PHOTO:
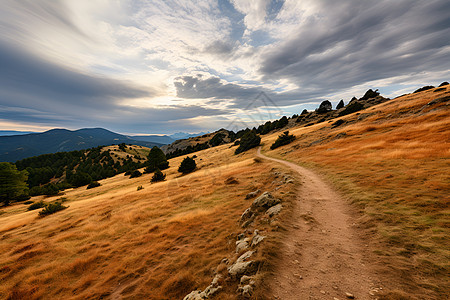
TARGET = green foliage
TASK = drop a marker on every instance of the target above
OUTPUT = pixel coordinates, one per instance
(248, 141)
(187, 165)
(140, 188)
(122, 147)
(188, 150)
(12, 182)
(135, 174)
(93, 184)
(217, 139)
(425, 88)
(158, 176)
(51, 209)
(80, 179)
(156, 160)
(36, 205)
(282, 140)
(77, 165)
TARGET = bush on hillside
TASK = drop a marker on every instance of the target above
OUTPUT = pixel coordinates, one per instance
(425, 88)
(135, 174)
(187, 165)
(156, 160)
(282, 140)
(93, 184)
(443, 84)
(36, 205)
(51, 209)
(158, 176)
(248, 140)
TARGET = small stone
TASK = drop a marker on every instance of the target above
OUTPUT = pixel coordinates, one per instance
(334, 298)
(296, 261)
(349, 295)
(298, 275)
(322, 292)
(245, 279)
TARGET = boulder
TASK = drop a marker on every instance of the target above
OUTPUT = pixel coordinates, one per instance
(274, 210)
(246, 279)
(265, 201)
(252, 194)
(247, 291)
(257, 238)
(247, 214)
(324, 107)
(195, 295)
(243, 266)
(370, 94)
(340, 104)
(241, 245)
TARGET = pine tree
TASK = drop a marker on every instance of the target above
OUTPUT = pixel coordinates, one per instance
(12, 182)
(187, 165)
(156, 160)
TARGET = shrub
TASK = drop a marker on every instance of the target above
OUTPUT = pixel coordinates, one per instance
(135, 174)
(187, 165)
(36, 205)
(156, 160)
(140, 188)
(282, 140)
(443, 84)
(158, 176)
(93, 184)
(51, 209)
(425, 88)
(249, 140)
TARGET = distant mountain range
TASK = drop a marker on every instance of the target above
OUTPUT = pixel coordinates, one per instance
(16, 147)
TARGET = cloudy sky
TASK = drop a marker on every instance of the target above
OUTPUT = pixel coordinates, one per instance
(162, 66)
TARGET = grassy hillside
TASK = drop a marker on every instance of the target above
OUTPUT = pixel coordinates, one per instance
(160, 242)
(393, 161)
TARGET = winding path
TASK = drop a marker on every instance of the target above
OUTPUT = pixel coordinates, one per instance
(323, 257)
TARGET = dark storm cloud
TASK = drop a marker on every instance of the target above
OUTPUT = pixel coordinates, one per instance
(24, 76)
(361, 41)
(33, 90)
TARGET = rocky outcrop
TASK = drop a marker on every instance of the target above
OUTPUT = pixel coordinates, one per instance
(243, 266)
(210, 291)
(252, 194)
(324, 107)
(264, 202)
(274, 210)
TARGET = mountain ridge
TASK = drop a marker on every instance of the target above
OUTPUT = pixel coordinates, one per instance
(16, 147)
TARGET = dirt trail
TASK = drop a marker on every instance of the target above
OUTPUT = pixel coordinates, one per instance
(322, 258)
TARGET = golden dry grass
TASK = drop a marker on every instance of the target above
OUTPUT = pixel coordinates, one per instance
(395, 165)
(114, 241)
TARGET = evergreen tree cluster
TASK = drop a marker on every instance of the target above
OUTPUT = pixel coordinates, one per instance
(249, 140)
(282, 140)
(49, 174)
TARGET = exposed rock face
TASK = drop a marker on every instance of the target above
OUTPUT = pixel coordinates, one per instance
(210, 291)
(340, 104)
(243, 266)
(257, 238)
(241, 245)
(370, 94)
(324, 107)
(252, 194)
(265, 201)
(274, 210)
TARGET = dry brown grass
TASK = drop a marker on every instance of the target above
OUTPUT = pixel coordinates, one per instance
(114, 241)
(395, 166)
